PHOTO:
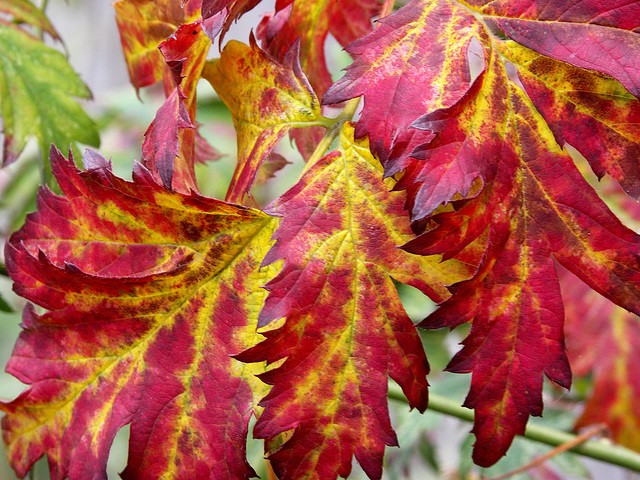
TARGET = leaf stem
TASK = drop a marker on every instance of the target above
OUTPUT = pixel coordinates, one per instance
(43, 9)
(324, 144)
(271, 475)
(598, 449)
(583, 437)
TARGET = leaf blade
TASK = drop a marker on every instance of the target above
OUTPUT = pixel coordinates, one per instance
(146, 320)
(281, 99)
(143, 26)
(37, 86)
(345, 328)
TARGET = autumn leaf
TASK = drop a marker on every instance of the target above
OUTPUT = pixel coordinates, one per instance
(600, 36)
(536, 207)
(414, 62)
(271, 165)
(311, 21)
(233, 10)
(37, 86)
(483, 145)
(170, 140)
(162, 142)
(149, 293)
(590, 111)
(603, 341)
(177, 314)
(280, 98)
(345, 327)
(170, 41)
(143, 26)
(185, 52)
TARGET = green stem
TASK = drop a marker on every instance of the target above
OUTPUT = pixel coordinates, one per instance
(598, 449)
(336, 126)
(43, 9)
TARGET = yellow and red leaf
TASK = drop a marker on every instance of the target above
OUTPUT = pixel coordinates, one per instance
(311, 21)
(164, 141)
(484, 144)
(266, 99)
(537, 206)
(169, 150)
(414, 62)
(600, 36)
(153, 291)
(345, 328)
(149, 293)
(588, 110)
(603, 341)
(143, 26)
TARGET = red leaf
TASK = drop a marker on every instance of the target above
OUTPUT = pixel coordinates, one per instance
(534, 205)
(185, 52)
(603, 341)
(395, 71)
(143, 25)
(311, 21)
(233, 10)
(170, 141)
(266, 99)
(596, 35)
(345, 329)
(162, 139)
(593, 113)
(150, 294)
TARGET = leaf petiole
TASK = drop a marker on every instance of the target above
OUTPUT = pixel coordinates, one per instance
(591, 432)
(333, 131)
(600, 449)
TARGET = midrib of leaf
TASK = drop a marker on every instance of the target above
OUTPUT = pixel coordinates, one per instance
(128, 219)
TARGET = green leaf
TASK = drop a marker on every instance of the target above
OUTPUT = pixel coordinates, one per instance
(36, 89)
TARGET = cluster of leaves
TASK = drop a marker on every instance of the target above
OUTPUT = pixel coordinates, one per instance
(184, 315)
